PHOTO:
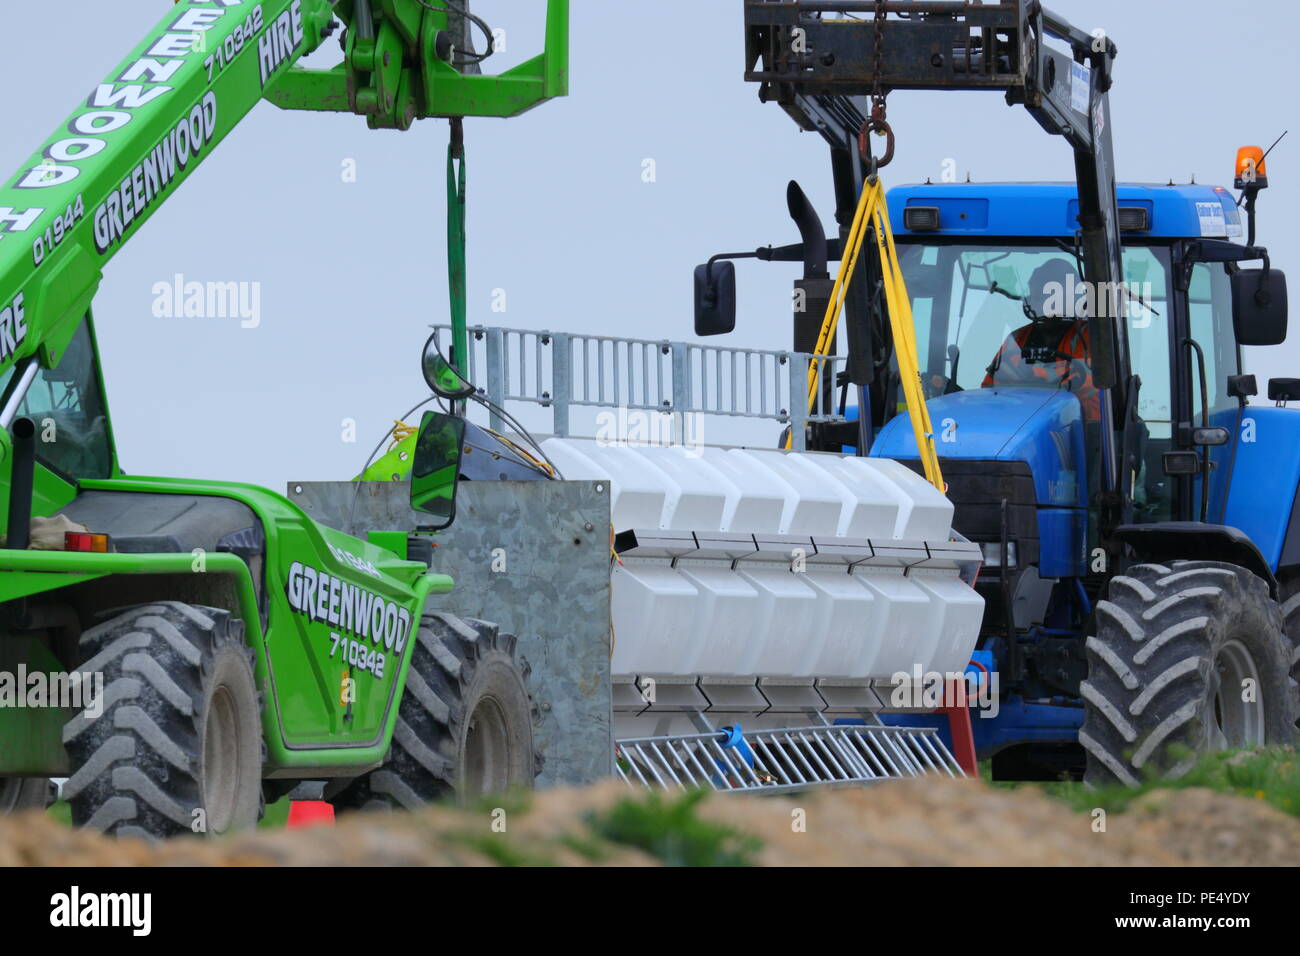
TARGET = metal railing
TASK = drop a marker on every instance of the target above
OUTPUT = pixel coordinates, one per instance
(563, 370)
(778, 761)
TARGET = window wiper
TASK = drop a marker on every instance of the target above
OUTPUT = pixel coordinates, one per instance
(1005, 292)
(1142, 302)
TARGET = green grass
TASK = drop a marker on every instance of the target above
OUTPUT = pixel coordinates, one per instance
(670, 831)
(276, 815)
(588, 847)
(514, 802)
(500, 850)
(667, 829)
(1270, 774)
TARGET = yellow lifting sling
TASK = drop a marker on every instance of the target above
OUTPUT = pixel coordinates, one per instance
(873, 208)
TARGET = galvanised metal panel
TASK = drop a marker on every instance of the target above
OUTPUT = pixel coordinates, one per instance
(532, 557)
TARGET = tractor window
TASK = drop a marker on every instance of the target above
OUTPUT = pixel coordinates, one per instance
(1009, 315)
(1209, 306)
(971, 304)
(67, 407)
(1146, 272)
(1146, 269)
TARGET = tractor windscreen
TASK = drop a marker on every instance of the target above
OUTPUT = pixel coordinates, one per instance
(990, 315)
(993, 315)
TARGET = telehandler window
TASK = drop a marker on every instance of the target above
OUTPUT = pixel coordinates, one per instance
(67, 407)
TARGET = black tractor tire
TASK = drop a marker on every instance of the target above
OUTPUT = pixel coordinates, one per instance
(178, 746)
(1173, 645)
(1290, 597)
(464, 726)
(24, 793)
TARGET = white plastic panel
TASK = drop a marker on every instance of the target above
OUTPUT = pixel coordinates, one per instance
(850, 619)
(755, 498)
(638, 490)
(926, 514)
(741, 489)
(811, 507)
(726, 620)
(868, 509)
(695, 496)
(904, 624)
(704, 618)
(785, 644)
(955, 622)
(762, 620)
(655, 612)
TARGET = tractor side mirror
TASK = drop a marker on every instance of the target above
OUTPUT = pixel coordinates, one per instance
(435, 471)
(439, 374)
(715, 298)
(1259, 306)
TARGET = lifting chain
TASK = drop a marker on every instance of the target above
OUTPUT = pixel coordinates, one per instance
(877, 124)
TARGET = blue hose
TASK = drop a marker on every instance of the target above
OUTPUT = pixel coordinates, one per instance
(732, 738)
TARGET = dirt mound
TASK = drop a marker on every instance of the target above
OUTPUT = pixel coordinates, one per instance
(965, 823)
(947, 822)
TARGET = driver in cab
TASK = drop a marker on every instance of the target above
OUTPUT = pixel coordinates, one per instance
(1053, 349)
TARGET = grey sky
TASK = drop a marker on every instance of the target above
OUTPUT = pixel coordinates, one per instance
(352, 273)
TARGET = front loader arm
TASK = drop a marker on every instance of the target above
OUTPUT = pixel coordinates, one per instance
(806, 52)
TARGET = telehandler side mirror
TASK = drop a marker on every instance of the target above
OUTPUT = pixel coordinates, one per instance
(1259, 314)
(439, 374)
(435, 471)
(715, 298)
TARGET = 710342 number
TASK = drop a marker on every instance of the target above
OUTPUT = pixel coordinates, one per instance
(357, 654)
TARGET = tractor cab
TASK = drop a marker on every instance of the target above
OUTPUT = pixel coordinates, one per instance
(1001, 322)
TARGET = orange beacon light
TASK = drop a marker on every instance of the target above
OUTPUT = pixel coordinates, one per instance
(1252, 171)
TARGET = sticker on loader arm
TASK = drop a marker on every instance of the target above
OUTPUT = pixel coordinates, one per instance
(1080, 87)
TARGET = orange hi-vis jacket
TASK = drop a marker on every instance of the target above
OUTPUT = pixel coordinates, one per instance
(1017, 364)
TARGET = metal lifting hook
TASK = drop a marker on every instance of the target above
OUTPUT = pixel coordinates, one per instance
(880, 126)
(877, 123)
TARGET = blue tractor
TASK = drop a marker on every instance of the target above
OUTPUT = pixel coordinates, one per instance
(1080, 347)
(1181, 637)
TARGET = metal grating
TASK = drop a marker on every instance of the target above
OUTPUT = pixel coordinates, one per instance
(562, 371)
(784, 760)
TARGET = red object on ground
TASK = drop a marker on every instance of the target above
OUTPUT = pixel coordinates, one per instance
(307, 813)
(959, 728)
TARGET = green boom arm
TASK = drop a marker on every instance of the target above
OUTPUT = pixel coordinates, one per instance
(398, 66)
(144, 130)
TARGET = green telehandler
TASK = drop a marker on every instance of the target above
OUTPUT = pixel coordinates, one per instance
(182, 651)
